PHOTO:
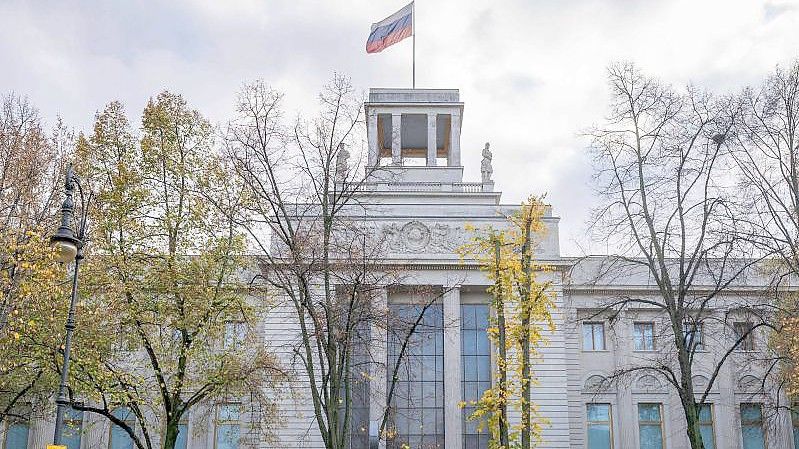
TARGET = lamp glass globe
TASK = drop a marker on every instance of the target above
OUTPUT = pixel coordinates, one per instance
(65, 250)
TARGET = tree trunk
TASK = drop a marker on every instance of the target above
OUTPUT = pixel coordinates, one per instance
(502, 366)
(170, 435)
(526, 307)
(692, 420)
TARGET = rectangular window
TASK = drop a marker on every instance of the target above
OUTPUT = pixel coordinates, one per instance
(182, 441)
(795, 420)
(360, 359)
(119, 438)
(227, 426)
(593, 336)
(234, 334)
(599, 426)
(417, 406)
(73, 425)
(650, 426)
(694, 337)
(644, 336)
(752, 426)
(476, 365)
(706, 426)
(744, 328)
(17, 435)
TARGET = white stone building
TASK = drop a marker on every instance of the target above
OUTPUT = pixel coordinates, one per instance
(421, 205)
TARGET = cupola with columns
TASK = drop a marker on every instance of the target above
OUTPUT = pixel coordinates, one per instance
(414, 136)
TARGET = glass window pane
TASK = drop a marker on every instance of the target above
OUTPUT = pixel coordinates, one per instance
(182, 441)
(17, 436)
(469, 342)
(120, 438)
(750, 413)
(228, 412)
(73, 424)
(598, 412)
(476, 371)
(651, 436)
(599, 436)
(467, 317)
(752, 426)
(588, 337)
(227, 436)
(649, 412)
(599, 336)
(598, 426)
(705, 414)
(650, 427)
(753, 437)
(416, 419)
(708, 440)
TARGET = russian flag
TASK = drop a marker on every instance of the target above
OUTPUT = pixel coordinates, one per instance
(391, 30)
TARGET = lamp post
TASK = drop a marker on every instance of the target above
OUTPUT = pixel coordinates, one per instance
(69, 247)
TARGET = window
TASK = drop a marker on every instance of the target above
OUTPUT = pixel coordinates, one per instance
(227, 428)
(752, 426)
(593, 336)
(694, 337)
(360, 359)
(476, 364)
(644, 336)
(795, 420)
(182, 441)
(234, 334)
(744, 328)
(599, 427)
(17, 435)
(120, 439)
(73, 425)
(706, 426)
(650, 426)
(417, 407)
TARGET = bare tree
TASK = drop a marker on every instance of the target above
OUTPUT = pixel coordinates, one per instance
(320, 260)
(766, 148)
(662, 173)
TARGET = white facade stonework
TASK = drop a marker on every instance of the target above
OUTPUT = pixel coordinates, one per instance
(421, 212)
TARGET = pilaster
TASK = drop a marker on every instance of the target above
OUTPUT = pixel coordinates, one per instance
(377, 372)
(431, 139)
(396, 138)
(452, 368)
(374, 150)
(454, 157)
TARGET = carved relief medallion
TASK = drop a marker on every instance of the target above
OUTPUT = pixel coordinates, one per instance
(415, 235)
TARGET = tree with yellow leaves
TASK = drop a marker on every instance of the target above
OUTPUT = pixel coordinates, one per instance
(31, 163)
(522, 305)
(164, 278)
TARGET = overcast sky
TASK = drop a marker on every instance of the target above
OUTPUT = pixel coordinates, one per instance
(531, 72)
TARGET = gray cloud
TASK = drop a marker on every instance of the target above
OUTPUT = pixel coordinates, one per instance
(532, 74)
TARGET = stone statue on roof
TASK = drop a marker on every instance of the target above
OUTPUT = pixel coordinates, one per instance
(342, 159)
(485, 166)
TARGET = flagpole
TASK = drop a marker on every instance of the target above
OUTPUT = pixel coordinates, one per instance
(413, 24)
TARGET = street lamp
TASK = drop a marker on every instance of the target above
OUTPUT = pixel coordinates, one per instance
(69, 247)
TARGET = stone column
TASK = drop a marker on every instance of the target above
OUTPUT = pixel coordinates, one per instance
(396, 139)
(374, 146)
(454, 156)
(431, 139)
(378, 372)
(452, 369)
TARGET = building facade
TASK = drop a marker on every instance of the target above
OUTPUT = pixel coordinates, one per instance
(420, 206)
